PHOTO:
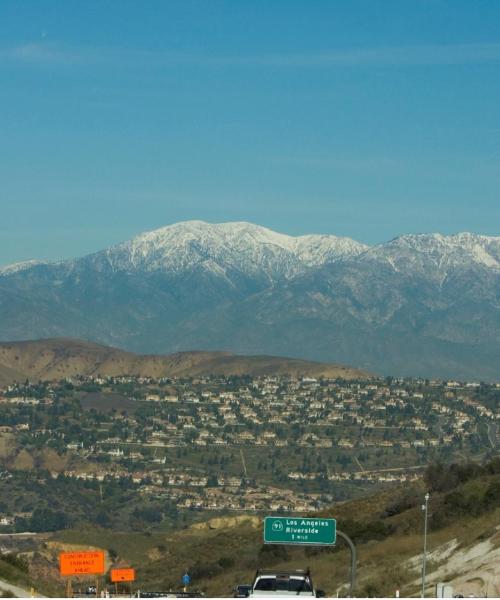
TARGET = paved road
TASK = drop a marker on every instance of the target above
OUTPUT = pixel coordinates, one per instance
(21, 534)
(492, 435)
(413, 467)
(16, 591)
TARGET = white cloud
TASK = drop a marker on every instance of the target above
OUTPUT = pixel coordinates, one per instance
(43, 53)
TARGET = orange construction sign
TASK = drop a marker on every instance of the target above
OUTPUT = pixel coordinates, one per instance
(118, 575)
(82, 563)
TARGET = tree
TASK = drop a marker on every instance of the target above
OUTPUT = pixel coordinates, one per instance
(212, 480)
(45, 519)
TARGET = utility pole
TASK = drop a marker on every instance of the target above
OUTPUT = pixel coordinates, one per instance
(353, 561)
(424, 556)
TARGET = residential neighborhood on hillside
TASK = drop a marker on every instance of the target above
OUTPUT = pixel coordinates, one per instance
(241, 443)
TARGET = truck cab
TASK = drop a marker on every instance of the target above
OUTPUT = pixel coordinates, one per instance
(275, 584)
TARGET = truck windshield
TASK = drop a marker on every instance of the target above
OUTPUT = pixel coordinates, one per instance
(299, 585)
(266, 584)
(282, 584)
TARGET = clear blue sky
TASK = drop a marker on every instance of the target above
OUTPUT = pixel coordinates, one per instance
(361, 118)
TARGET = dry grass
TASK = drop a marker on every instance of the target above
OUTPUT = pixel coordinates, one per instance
(7, 445)
(59, 358)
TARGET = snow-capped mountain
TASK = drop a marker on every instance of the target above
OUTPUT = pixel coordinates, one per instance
(20, 266)
(424, 304)
(436, 254)
(226, 247)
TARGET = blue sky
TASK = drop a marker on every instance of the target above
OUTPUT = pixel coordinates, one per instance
(361, 118)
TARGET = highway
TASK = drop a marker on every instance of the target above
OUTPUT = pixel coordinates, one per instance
(16, 591)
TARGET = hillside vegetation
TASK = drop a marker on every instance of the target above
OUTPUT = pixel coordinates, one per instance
(464, 542)
(55, 359)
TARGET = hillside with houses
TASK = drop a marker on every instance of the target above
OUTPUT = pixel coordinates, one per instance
(230, 444)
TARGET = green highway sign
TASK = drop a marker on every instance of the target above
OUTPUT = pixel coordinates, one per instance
(299, 530)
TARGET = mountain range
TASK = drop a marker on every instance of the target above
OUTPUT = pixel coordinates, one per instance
(424, 304)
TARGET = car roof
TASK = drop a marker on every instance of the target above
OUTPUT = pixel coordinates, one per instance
(274, 572)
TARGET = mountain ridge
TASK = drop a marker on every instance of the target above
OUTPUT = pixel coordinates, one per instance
(191, 230)
(420, 304)
(59, 358)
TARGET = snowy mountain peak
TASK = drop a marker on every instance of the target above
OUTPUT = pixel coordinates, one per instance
(20, 266)
(435, 252)
(237, 250)
(229, 247)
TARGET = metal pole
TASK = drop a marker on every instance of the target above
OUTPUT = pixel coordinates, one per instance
(424, 556)
(353, 561)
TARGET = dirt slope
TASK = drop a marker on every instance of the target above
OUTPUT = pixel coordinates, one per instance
(58, 358)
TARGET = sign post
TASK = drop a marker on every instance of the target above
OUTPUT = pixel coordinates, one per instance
(352, 547)
(186, 580)
(308, 531)
(119, 575)
(81, 563)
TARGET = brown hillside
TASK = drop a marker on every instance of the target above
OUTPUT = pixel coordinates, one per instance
(53, 359)
(7, 374)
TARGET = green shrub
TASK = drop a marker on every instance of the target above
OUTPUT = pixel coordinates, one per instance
(408, 499)
(492, 495)
(226, 562)
(45, 519)
(270, 554)
(363, 531)
(16, 561)
(205, 570)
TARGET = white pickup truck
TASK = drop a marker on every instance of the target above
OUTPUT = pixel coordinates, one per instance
(276, 584)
